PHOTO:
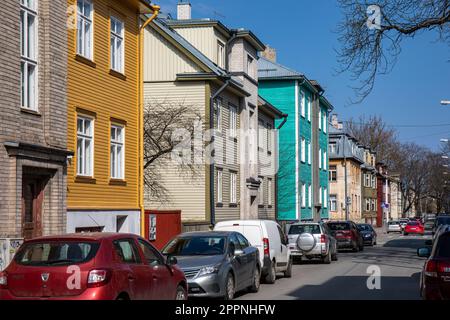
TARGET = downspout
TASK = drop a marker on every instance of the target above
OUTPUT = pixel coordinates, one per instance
(155, 9)
(284, 116)
(227, 50)
(212, 202)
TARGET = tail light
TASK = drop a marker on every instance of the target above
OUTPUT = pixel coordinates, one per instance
(3, 280)
(323, 239)
(443, 267)
(266, 247)
(347, 234)
(431, 269)
(98, 278)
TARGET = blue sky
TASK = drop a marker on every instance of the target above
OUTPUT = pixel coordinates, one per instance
(303, 32)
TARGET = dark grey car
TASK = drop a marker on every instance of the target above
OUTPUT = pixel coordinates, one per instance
(216, 263)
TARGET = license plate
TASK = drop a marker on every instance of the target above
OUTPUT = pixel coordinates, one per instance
(338, 234)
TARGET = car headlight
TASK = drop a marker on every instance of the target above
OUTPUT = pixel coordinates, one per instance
(208, 270)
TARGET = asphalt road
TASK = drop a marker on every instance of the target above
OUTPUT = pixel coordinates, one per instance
(346, 279)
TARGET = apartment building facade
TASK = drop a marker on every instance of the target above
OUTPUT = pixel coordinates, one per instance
(369, 187)
(33, 117)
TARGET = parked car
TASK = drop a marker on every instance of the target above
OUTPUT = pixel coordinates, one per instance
(435, 278)
(368, 233)
(394, 226)
(347, 235)
(414, 228)
(440, 220)
(216, 263)
(109, 266)
(271, 241)
(312, 240)
(403, 222)
(428, 226)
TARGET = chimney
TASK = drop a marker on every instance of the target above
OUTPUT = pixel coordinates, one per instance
(270, 53)
(334, 121)
(184, 10)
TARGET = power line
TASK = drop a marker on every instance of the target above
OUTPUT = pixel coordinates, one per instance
(403, 125)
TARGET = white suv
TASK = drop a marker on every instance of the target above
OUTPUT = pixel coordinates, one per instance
(271, 241)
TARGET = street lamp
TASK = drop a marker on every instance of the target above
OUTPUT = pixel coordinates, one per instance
(445, 102)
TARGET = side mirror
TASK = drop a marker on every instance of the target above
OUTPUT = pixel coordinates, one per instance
(238, 253)
(429, 242)
(171, 261)
(424, 252)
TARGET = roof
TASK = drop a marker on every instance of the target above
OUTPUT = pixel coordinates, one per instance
(267, 107)
(199, 22)
(250, 37)
(268, 70)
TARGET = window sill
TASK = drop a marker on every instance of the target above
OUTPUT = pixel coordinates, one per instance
(30, 111)
(84, 179)
(269, 153)
(117, 182)
(270, 206)
(233, 205)
(261, 206)
(85, 60)
(117, 74)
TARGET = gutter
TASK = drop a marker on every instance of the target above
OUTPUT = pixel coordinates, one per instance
(211, 166)
(284, 116)
(156, 10)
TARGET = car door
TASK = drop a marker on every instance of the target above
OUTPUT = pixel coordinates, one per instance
(327, 232)
(283, 257)
(163, 286)
(139, 274)
(250, 257)
(238, 262)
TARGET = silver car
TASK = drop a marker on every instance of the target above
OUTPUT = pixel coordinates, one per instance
(394, 226)
(312, 240)
(216, 263)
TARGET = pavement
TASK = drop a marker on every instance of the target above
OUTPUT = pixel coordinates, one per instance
(394, 257)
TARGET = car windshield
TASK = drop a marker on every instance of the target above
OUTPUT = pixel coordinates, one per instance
(364, 227)
(193, 246)
(442, 220)
(339, 226)
(56, 253)
(304, 228)
(443, 249)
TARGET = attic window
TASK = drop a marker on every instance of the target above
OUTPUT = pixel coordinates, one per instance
(220, 54)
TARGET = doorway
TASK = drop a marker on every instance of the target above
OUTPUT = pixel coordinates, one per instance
(32, 199)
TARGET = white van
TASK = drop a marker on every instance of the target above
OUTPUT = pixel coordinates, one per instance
(271, 241)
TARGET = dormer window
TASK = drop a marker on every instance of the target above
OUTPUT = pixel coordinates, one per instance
(221, 54)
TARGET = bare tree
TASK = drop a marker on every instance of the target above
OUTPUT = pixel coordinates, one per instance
(371, 50)
(168, 125)
(436, 184)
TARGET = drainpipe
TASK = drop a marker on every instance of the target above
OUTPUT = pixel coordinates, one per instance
(284, 116)
(211, 166)
(155, 9)
(227, 50)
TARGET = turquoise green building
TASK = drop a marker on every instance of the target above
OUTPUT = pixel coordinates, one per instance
(303, 141)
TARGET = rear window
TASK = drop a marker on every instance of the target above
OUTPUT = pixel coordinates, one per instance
(392, 223)
(413, 224)
(339, 226)
(443, 249)
(56, 253)
(442, 220)
(309, 228)
(364, 227)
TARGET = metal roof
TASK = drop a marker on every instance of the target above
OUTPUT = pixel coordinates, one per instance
(271, 70)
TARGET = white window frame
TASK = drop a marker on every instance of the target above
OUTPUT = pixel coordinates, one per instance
(219, 185)
(29, 55)
(331, 173)
(233, 120)
(269, 191)
(325, 158)
(269, 137)
(233, 187)
(85, 137)
(325, 197)
(117, 172)
(302, 103)
(333, 203)
(261, 191)
(320, 158)
(83, 21)
(320, 119)
(303, 195)
(220, 54)
(332, 147)
(117, 60)
(321, 195)
(309, 152)
(303, 150)
(325, 122)
(309, 196)
(309, 108)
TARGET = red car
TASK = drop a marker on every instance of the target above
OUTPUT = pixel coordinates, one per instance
(92, 266)
(414, 227)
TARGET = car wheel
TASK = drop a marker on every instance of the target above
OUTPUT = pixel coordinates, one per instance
(272, 275)
(405, 234)
(334, 256)
(355, 247)
(181, 294)
(256, 281)
(288, 272)
(327, 258)
(229, 287)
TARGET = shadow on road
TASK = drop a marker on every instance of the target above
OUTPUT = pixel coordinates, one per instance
(402, 243)
(355, 288)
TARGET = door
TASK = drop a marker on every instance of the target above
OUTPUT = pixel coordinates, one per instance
(163, 285)
(283, 258)
(32, 197)
(250, 257)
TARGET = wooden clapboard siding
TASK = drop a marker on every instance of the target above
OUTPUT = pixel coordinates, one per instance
(92, 88)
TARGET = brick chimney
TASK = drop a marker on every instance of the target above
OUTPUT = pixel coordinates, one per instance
(270, 53)
(184, 10)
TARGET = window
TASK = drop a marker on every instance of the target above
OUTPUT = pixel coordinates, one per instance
(243, 242)
(220, 54)
(127, 251)
(332, 147)
(367, 204)
(261, 191)
(325, 122)
(261, 133)
(233, 187)
(321, 195)
(117, 45)
(303, 195)
(269, 192)
(218, 114)
(333, 173)
(251, 66)
(151, 257)
(302, 103)
(85, 146)
(85, 28)
(303, 155)
(309, 152)
(117, 152)
(366, 180)
(374, 182)
(325, 157)
(374, 205)
(320, 119)
(320, 158)
(269, 137)
(28, 53)
(309, 196)
(333, 202)
(233, 120)
(325, 197)
(309, 108)
(219, 185)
